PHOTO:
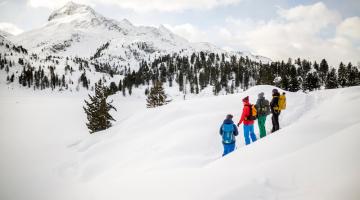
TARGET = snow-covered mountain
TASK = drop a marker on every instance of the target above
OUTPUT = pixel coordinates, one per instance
(4, 34)
(10, 50)
(77, 30)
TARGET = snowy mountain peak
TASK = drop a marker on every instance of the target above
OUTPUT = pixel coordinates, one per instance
(164, 29)
(71, 9)
(78, 30)
(126, 22)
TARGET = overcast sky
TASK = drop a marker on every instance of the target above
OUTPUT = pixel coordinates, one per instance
(278, 29)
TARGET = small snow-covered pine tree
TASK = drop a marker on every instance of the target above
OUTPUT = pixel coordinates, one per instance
(342, 75)
(97, 109)
(331, 80)
(157, 96)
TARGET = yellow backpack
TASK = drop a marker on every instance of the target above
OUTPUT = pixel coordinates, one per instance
(282, 102)
(253, 113)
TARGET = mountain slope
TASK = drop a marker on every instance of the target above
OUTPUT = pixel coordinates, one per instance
(78, 47)
(174, 152)
(77, 30)
(4, 34)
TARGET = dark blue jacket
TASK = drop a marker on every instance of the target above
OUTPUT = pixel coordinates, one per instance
(229, 121)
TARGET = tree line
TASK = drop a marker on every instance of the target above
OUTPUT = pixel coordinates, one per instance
(192, 74)
(195, 73)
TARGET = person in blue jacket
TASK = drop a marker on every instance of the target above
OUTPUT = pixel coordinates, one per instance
(228, 131)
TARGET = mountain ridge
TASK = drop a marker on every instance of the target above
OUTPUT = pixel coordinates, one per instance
(5, 34)
(78, 30)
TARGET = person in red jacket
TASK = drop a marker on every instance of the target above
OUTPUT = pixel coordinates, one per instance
(248, 123)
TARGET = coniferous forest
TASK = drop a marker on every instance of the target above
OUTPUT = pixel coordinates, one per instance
(192, 74)
(228, 75)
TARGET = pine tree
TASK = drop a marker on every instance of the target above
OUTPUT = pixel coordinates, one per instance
(324, 69)
(84, 80)
(12, 78)
(284, 83)
(331, 80)
(113, 88)
(352, 75)
(147, 91)
(181, 81)
(294, 84)
(316, 66)
(307, 83)
(120, 86)
(342, 77)
(157, 96)
(97, 110)
(316, 81)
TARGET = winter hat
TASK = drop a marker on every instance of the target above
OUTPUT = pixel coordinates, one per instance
(275, 91)
(261, 95)
(229, 116)
(246, 99)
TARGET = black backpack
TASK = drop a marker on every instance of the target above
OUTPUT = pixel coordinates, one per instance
(263, 107)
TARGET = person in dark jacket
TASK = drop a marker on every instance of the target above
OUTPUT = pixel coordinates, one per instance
(228, 131)
(263, 109)
(275, 111)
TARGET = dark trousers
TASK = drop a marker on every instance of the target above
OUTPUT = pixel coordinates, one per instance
(275, 121)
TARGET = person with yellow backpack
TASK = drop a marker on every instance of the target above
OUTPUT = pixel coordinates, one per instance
(277, 104)
(248, 116)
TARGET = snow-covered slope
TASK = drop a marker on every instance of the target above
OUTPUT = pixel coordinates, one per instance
(77, 30)
(4, 34)
(174, 152)
(77, 47)
(12, 52)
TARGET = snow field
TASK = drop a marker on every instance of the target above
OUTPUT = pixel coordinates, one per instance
(174, 151)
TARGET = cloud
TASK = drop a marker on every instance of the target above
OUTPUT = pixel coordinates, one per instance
(350, 28)
(3, 3)
(189, 31)
(143, 5)
(310, 32)
(56, 4)
(10, 28)
(317, 14)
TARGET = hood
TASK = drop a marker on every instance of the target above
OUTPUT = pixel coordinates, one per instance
(228, 121)
(261, 95)
(246, 103)
(276, 94)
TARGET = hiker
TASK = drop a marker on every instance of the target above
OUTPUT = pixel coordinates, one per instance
(228, 131)
(263, 109)
(275, 111)
(248, 118)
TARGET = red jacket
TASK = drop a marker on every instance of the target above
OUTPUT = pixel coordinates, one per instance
(246, 113)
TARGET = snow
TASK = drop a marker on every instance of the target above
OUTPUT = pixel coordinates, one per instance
(174, 151)
(4, 34)
(77, 30)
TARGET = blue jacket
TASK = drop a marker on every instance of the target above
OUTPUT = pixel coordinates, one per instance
(229, 121)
